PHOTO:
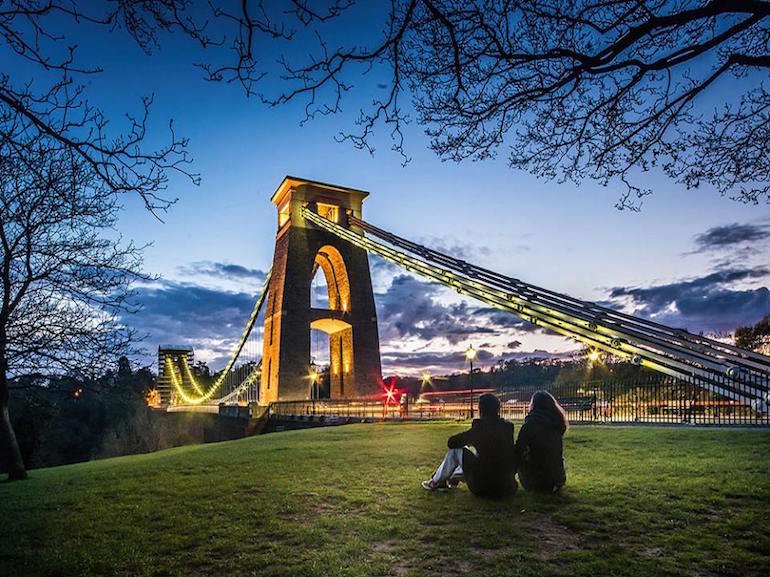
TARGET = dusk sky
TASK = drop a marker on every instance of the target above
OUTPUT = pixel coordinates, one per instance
(690, 258)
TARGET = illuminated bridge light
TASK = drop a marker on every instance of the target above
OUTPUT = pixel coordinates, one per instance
(670, 351)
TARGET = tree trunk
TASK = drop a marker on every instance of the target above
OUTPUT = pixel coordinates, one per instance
(16, 469)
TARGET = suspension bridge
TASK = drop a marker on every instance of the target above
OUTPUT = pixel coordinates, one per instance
(321, 226)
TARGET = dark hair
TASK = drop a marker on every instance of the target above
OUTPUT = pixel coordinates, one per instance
(543, 403)
(489, 405)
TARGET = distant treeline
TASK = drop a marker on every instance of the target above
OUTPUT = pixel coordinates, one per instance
(528, 373)
(67, 420)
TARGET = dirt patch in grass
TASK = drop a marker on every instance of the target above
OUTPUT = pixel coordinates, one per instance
(551, 539)
(400, 566)
(456, 567)
(320, 510)
(396, 563)
(651, 552)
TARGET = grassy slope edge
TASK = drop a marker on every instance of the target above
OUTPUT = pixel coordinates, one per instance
(347, 501)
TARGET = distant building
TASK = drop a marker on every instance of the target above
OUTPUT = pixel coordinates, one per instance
(178, 354)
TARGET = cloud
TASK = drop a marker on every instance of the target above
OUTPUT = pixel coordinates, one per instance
(448, 362)
(719, 237)
(211, 320)
(210, 314)
(507, 320)
(224, 270)
(708, 304)
(182, 313)
(452, 360)
(382, 272)
(410, 307)
(457, 249)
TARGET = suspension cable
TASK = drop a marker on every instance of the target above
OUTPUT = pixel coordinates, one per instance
(687, 342)
(214, 387)
(649, 331)
(641, 349)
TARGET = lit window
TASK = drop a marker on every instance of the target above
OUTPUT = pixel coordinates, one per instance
(283, 214)
(328, 211)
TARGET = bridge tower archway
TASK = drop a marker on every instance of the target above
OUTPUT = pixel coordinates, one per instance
(335, 320)
(350, 319)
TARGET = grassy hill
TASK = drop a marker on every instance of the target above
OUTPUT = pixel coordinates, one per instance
(347, 501)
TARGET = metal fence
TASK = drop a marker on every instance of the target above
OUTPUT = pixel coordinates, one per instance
(654, 399)
(363, 408)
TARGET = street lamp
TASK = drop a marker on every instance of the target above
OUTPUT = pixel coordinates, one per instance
(426, 380)
(470, 354)
(313, 376)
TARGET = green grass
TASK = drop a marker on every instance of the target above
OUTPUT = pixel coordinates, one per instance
(347, 501)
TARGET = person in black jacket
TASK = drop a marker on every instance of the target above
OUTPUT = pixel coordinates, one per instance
(490, 470)
(539, 451)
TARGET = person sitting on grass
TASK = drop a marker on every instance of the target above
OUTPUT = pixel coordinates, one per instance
(490, 470)
(539, 451)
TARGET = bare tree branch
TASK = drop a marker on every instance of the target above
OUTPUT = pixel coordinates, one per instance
(577, 90)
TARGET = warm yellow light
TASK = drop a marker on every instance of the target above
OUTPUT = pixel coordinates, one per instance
(470, 353)
(153, 398)
(283, 214)
(213, 388)
(425, 378)
(313, 376)
(593, 356)
(328, 211)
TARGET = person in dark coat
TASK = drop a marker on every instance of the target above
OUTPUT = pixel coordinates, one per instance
(490, 470)
(539, 450)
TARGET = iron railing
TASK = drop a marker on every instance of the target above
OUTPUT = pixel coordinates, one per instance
(360, 408)
(655, 399)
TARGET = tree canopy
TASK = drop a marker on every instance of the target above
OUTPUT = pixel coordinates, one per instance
(573, 90)
(65, 275)
(756, 337)
(576, 90)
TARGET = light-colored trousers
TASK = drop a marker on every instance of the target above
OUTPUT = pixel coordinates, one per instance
(451, 466)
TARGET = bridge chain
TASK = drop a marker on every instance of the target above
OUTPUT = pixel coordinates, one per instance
(592, 313)
(643, 343)
(208, 394)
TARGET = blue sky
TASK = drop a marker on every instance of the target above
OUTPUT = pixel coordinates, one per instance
(681, 259)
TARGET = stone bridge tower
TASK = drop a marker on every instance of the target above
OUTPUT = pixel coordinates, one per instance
(351, 319)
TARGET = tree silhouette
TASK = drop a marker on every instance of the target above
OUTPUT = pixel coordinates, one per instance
(577, 90)
(51, 99)
(756, 337)
(582, 89)
(65, 277)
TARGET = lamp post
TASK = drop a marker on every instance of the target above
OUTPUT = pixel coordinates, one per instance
(470, 354)
(313, 376)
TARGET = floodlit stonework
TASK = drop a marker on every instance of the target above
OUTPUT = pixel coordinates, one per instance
(351, 319)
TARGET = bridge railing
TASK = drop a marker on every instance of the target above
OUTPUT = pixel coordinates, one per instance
(354, 408)
(654, 399)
